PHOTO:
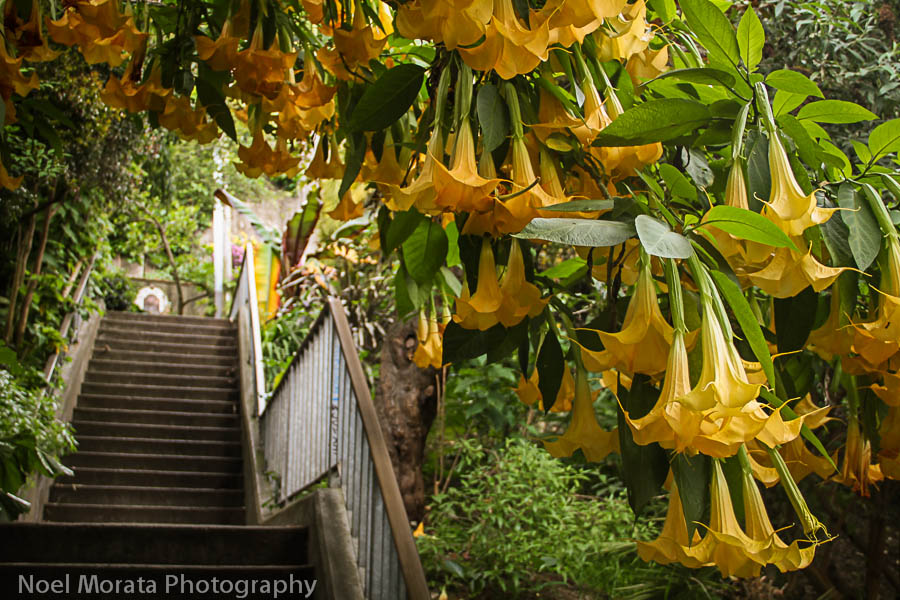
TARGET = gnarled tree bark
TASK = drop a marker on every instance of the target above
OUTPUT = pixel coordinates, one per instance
(406, 402)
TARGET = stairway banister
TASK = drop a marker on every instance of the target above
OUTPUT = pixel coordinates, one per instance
(246, 294)
(410, 564)
(78, 299)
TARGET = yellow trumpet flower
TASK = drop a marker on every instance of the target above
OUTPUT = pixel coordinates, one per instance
(11, 78)
(530, 394)
(726, 544)
(220, 54)
(878, 340)
(97, 27)
(259, 71)
(669, 547)
(28, 36)
(857, 470)
(461, 188)
(759, 527)
(788, 272)
(361, 43)
(478, 311)
(642, 346)
(319, 169)
(259, 158)
(889, 455)
(8, 182)
(520, 298)
(788, 207)
(584, 432)
(429, 351)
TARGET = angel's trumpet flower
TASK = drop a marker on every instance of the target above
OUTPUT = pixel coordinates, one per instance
(726, 544)
(642, 346)
(529, 392)
(669, 547)
(28, 37)
(429, 351)
(219, 54)
(786, 557)
(361, 44)
(461, 188)
(584, 432)
(521, 298)
(478, 311)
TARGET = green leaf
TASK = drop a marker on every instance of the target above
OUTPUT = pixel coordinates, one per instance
(402, 226)
(655, 121)
(644, 468)
(387, 99)
(747, 320)
(747, 225)
(806, 146)
(700, 75)
(299, 229)
(550, 367)
(425, 250)
(794, 319)
(577, 232)
(794, 83)
(665, 9)
(563, 270)
(835, 111)
(836, 235)
(865, 235)
(213, 99)
(785, 102)
(692, 475)
(759, 178)
(712, 28)
(463, 344)
(356, 152)
(404, 293)
(493, 116)
(751, 37)
(659, 240)
(581, 206)
(677, 183)
(883, 140)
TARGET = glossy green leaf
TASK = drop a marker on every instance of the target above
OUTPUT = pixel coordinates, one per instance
(751, 37)
(425, 250)
(578, 232)
(794, 319)
(387, 99)
(401, 227)
(655, 121)
(835, 111)
(747, 320)
(644, 468)
(493, 117)
(713, 29)
(692, 475)
(885, 139)
(356, 153)
(550, 367)
(793, 82)
(747, 225)
(677, 183)
(865, 235)
(700, 75)
(659, 240)
(581, 206)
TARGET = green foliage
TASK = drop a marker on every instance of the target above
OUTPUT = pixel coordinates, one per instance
(116, 290)
(520, 522)
(31, 438)
(848, 48)
(281, 337)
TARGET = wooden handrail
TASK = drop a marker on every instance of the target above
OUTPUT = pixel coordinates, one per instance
(411, 565)
(80, 292)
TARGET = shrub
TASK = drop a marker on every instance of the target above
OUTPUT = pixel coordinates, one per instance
(117, 290)
(518, 521)
(31, 439)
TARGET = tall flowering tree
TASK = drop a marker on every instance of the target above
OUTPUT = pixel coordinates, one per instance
(750, 249)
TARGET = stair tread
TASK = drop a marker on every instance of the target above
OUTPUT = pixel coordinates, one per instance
(153, 316)
(141, 386)
(135, 366)
(186, 428)
(150, 412)
(226, 380)
(136, 455)
(152, 398)
(147, 488)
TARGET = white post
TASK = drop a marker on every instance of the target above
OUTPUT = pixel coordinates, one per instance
(226, 246)
(219, 255)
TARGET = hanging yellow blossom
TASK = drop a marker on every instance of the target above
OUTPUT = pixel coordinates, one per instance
(584, 432)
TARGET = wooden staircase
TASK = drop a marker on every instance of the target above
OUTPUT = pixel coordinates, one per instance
(158, 487)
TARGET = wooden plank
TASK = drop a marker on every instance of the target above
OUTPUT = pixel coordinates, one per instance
(411, 565)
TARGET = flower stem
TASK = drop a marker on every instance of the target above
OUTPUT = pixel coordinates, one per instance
(809, 522)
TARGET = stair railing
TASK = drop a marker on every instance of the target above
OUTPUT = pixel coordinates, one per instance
(245, 298)
(320, 420)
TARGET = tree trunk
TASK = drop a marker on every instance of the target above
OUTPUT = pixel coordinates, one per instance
(33, 283)
(25, 239)
(171, 257)
(406, 402)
